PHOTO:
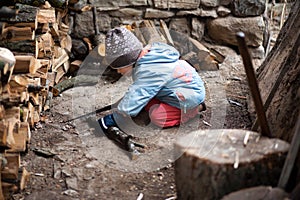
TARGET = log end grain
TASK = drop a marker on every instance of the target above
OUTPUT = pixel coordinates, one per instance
(213, 163)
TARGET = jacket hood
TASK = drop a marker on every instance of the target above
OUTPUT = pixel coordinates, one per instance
(160, 53)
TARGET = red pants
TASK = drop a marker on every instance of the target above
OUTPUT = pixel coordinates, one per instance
(164, 115)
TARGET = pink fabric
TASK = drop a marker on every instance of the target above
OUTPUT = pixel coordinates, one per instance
(164, 115)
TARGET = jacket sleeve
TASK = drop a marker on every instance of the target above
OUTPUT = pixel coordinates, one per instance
(147, 83)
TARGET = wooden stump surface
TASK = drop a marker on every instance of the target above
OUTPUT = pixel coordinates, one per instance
(213, 163)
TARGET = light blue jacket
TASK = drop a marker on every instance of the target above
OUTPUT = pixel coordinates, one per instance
(161, 74)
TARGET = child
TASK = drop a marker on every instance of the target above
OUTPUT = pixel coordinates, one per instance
(168, 88)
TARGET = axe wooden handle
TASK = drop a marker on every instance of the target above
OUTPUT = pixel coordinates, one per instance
(261, 116)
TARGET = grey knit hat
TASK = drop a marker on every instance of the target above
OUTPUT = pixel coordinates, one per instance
(122, 48)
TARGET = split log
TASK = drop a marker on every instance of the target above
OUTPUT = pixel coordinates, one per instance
(46, 16)
(202, 58)
(21, 137)
(77, 80)
(18, 84)
(54, 30)
(165, 31)
(137, 32)
(13, 99)
(61, 71)
(26, 16)
(45, 46)
(150, 32)
(74, 66)
(60, 57)
(26, 46)
(42, 71)
(26, 64)
(207, 60)
(11, 169)
(213, 163)
(3, 133)
(23, 178)
(14, 33)
(2, 112)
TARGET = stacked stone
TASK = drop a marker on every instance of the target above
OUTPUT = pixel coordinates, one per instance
(214, 20)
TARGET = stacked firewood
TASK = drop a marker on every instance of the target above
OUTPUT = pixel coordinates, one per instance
(38, 41)
(191, 50)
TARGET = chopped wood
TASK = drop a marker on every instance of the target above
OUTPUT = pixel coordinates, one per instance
(26, 64)
(46, 16)
(137, 32)
(74, 66)
(218, 55)
(2, 112)
(150, 32)
(24, 113)
(69, 83)
(207, 60)
(165, 31)
(24, 178)
(54, 30)
(61, 57)
(46, 46)
(11, 169)
(25, 46)
(26, 14)
(19, 145)
(61, 71)
(18, 83)
(3, 133)
(13, 33)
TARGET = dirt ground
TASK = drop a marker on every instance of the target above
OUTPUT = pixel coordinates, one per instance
(73, 160)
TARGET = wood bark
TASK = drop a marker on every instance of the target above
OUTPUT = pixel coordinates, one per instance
(26, 46)
(213, 163)
(279, 81)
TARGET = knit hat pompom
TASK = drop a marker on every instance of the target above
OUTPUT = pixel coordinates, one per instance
(122, 48)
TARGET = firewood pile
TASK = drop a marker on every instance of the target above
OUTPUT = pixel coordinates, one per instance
(200, 56)
(39, 40)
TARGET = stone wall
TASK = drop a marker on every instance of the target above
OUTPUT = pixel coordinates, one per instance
(216, 21)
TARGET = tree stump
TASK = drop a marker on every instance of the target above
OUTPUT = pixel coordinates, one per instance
(213, 163)
(261, 192)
